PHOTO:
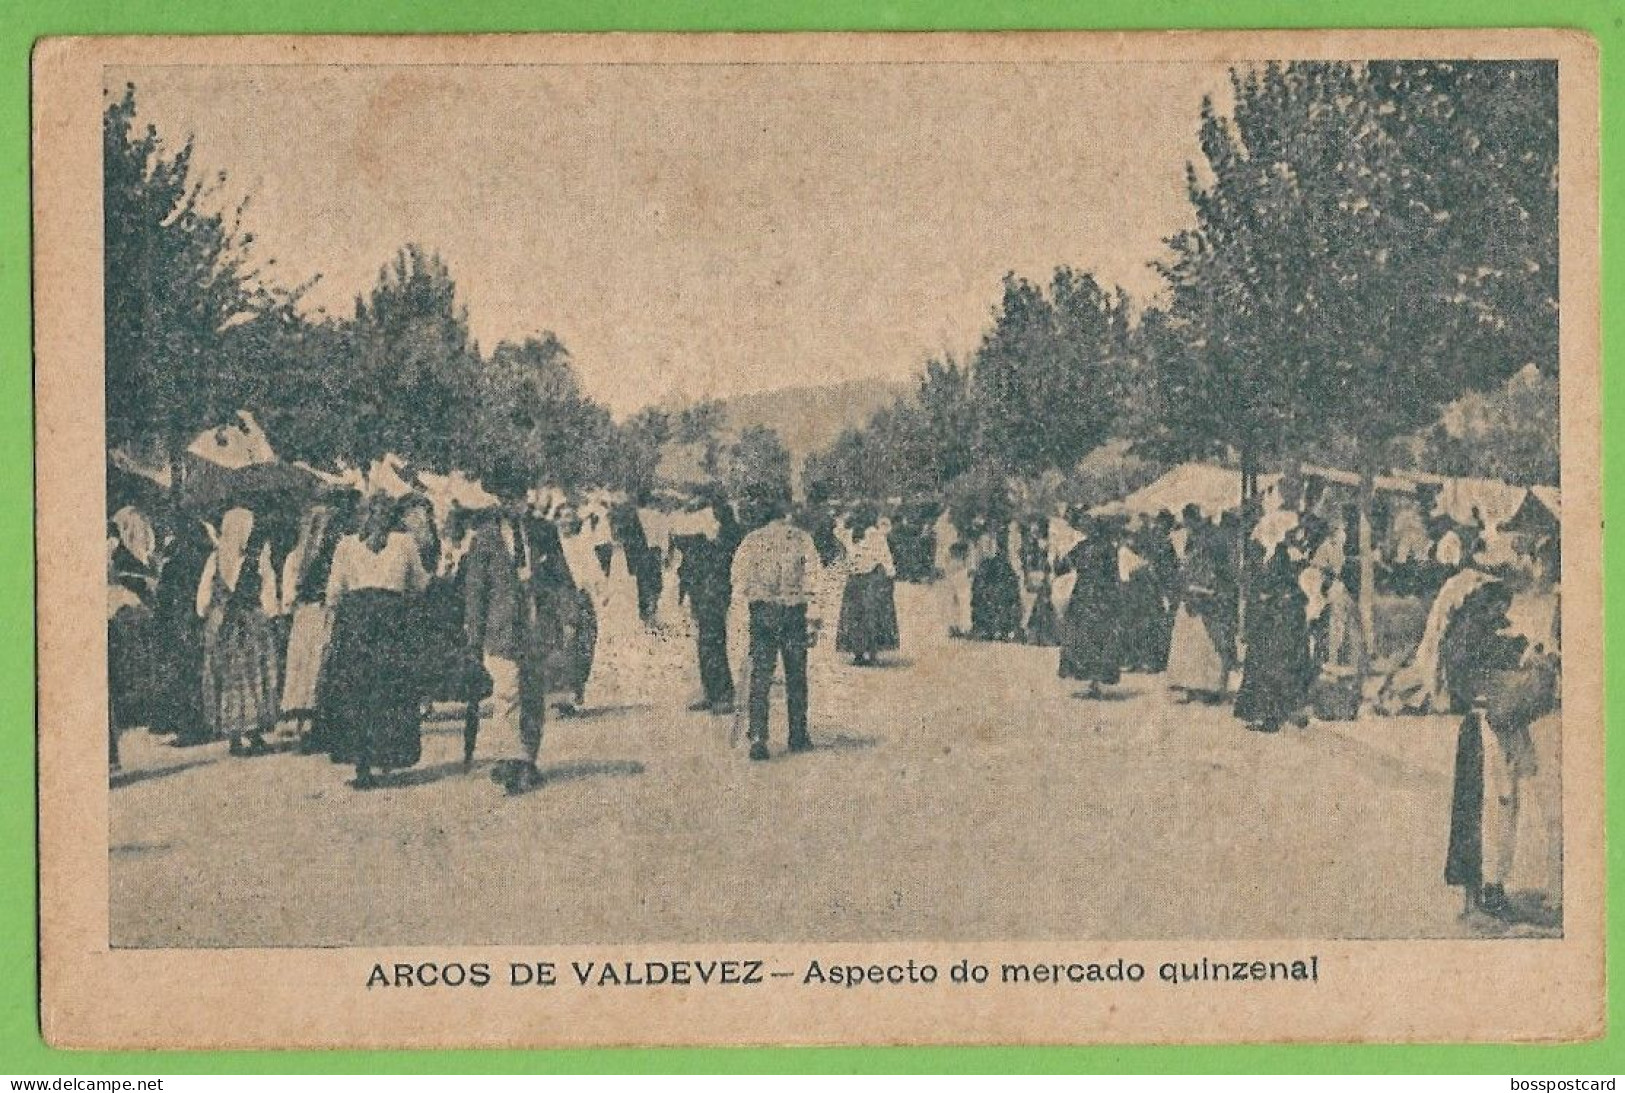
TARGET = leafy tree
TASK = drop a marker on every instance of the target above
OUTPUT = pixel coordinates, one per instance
(639, 442)
(1441, 276)
(301, 380)
(1047, 385)
(530, 406)
(949, 418)
(417, 363)
(1229, 355)
(654, 423)
(701, 422)
(178, 274)
(1047, 375)
(1370, 243)
(898, 453)
(758, 466)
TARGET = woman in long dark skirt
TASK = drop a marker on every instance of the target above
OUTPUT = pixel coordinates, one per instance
(132, 643)
(868, 623)
(1043, 625)
(1141, 614)
(995, 599)
(1278, 672)
(1472, 648)
(178, 705)
(371, 688)
(1091, 631)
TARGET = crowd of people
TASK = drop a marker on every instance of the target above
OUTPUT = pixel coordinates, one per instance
(1259, 609)
(331, 626)
(332, 623)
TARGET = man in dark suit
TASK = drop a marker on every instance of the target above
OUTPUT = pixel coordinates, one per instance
(513, 563)
(705, 576)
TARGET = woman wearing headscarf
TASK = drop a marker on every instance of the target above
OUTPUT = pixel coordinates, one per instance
(178, 705)
(371, 689)
(1278, 671)
(1143, 611)
(1090, 627)
(1043, 624)
(1418, 685)
(132, 641)
(1474, 651)
(995, 592)
(868, 622)
(237, 600)
(1200, 652)
(304, 597)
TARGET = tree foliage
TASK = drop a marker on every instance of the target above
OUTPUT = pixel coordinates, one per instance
(530, 406)
(417, 366)
(1048, 384)
(1372, 246)
(1047, 376)
(758, 466)
(1370, 242)
(179, 275)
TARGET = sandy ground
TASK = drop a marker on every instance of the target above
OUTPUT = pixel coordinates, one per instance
(961, 792)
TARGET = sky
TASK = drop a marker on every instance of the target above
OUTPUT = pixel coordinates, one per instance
(693, 231)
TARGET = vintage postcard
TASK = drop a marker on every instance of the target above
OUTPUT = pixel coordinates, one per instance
(816, 539)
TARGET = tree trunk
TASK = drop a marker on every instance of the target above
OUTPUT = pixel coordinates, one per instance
(1249, 491)
(1368, 580)
(175, 452)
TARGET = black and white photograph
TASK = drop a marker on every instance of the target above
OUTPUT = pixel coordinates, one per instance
(958, 496)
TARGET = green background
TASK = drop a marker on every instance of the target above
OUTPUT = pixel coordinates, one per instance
(21, 22)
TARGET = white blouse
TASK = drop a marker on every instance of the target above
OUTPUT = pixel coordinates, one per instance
(270, 602)
(870, 552)
(396, 567)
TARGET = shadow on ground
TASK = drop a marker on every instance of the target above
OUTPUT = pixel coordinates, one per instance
(123, 778)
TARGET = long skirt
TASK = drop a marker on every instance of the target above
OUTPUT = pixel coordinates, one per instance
(367, 710)
(133, 667)
(1090, 638)
(1276, 677)
(1143, 620)
(868, 615)
(178, 702)
(580, 647)
(442, 672)
(1194, 662)
(995, 601)
(239, 671)
(1464, 858)
(308, 637)
(1043, 625)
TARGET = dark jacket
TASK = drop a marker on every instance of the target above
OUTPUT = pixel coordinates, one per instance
(706, 572)
(500, 614)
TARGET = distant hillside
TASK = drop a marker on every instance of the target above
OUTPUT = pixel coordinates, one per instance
(809, 418)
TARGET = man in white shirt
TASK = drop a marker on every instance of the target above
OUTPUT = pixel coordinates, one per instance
(775, 572)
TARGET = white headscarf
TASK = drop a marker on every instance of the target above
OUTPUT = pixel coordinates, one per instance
(235, 528)
(1273, 528)
(135, 532)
